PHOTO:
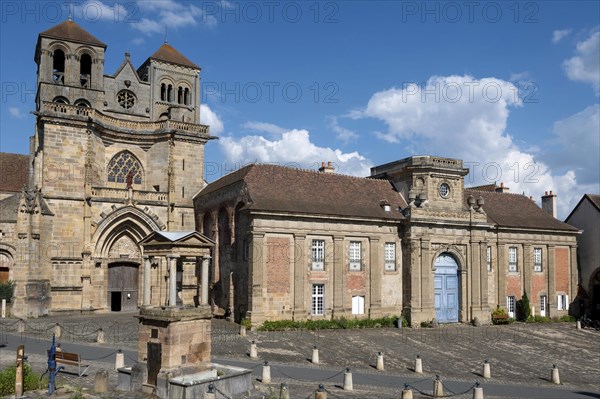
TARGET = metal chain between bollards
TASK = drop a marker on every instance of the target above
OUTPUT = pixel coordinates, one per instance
(424, 393)
(102, 357)
(301, 380)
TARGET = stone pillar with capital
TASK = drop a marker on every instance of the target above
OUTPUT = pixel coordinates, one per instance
(173, 280)
(147, 280)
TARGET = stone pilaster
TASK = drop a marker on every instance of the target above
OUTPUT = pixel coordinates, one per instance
(257, 279)
(338, 273)
(527, 269)
(551, 281)
(375, 277)
(299, 275)
(501, 270)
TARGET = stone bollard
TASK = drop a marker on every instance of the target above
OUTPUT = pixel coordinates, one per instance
(555, 376)
(284, 392)
(315, 355)
(407, 392)
(3, 308)
(253, 351)
(418, 365)
(100, 336)
(57, 331)
(578, 325)
(348, 385)
(438, 388)
(21, 326)
(210, 394)
(266, 373)
(477, 391)
(486, 369)
(379, 365)
(242, 331)
(119, 360)
(321, 393)
(101, 382)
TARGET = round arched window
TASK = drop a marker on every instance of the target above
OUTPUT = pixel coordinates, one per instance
(126, 99)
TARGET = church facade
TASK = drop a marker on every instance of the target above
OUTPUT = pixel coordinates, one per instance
(117, 157)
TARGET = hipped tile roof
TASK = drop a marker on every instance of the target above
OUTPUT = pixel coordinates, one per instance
(168, 53)
(71, 31)
(282, 189)
(515, 210)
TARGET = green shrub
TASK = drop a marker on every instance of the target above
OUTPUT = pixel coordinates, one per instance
(323, 324)
(246, 323)
(538, 319)
(6, 290)
(564, 319)
(31, 380)
(523, 308)
(500, 312)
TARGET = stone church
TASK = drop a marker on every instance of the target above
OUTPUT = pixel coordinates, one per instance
(116, 158)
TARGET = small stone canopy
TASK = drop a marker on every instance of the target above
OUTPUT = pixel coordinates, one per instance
(182, 243)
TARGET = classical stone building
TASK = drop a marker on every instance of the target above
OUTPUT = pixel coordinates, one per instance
(411, 240)
(586, 216)
(113, 158)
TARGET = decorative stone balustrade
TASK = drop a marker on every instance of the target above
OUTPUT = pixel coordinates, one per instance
(122, 193)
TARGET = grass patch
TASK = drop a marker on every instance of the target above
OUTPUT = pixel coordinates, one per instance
(341, 323)
(31, 380)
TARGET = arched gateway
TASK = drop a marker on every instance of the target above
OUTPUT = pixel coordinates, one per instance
(445, 284)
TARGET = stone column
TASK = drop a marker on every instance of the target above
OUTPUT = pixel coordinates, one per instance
(527, 269)
(501, 270)
(256, 279)
(426, 279)
(173, 280)
(300, 257)
(484, 275)
(551, 282)
(147, 281)
(375, 277)
(338, 273)
(204, 282)
(475, 269)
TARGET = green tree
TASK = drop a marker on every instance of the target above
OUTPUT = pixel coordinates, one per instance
(523, 308)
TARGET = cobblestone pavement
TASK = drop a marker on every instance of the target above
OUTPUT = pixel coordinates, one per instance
(519, 354)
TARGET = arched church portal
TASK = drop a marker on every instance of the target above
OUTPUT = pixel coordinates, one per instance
(446, 288)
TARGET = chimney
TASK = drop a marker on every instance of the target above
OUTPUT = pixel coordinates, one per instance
(549, 203)
(326, 168)
(502, 189)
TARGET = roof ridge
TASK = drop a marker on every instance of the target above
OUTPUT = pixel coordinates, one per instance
(317, 172)
(496, 192)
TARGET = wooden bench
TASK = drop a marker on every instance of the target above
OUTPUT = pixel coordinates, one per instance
(71, 359)
(500, 319)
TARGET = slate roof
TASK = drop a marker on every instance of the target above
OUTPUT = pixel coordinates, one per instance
(515, 210)
(14, 172)
(71, 31)
(168, 53)
(283, 189)
(593, 198)
(8, 208)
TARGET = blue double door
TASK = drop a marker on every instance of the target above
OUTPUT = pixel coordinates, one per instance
(445, 284)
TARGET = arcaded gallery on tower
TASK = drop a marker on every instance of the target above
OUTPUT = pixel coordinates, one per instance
(116, 158)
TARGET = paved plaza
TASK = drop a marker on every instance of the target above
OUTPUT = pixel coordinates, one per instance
(521, 356)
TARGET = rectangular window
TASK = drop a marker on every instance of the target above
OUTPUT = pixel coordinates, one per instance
(512, 259)
(354, 255)
(537, 259)
(390, 256)
(246, 250)
(562, 302)
(489, 259)
(318, 299)
(510, 305)
(543, 305)
(318, 254)
(358, 304)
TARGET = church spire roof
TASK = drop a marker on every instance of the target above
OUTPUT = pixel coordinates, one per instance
(70, 30)
(168, 53)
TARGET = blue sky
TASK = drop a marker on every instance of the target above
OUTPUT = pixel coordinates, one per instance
(512, 88)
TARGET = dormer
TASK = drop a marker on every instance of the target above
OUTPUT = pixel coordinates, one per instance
(175, 85)
(70, 63)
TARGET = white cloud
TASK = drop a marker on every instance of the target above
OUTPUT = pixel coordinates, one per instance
(96, 10)
(585, 65)
(265, 127)
(209, 117)
(137, 41)
(171, 14)
(466, 118)
(342, 134)
(558, 35)
(16, 113)
(295, 149)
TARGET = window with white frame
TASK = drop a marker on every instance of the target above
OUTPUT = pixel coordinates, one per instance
(318, 254)
(358, 304)
(510, 305)
(562, 302)
(354, 255)
(543, 305)
(537, 259)
(489, 259)
(318, 299)
(390, 256)
(512, 259)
